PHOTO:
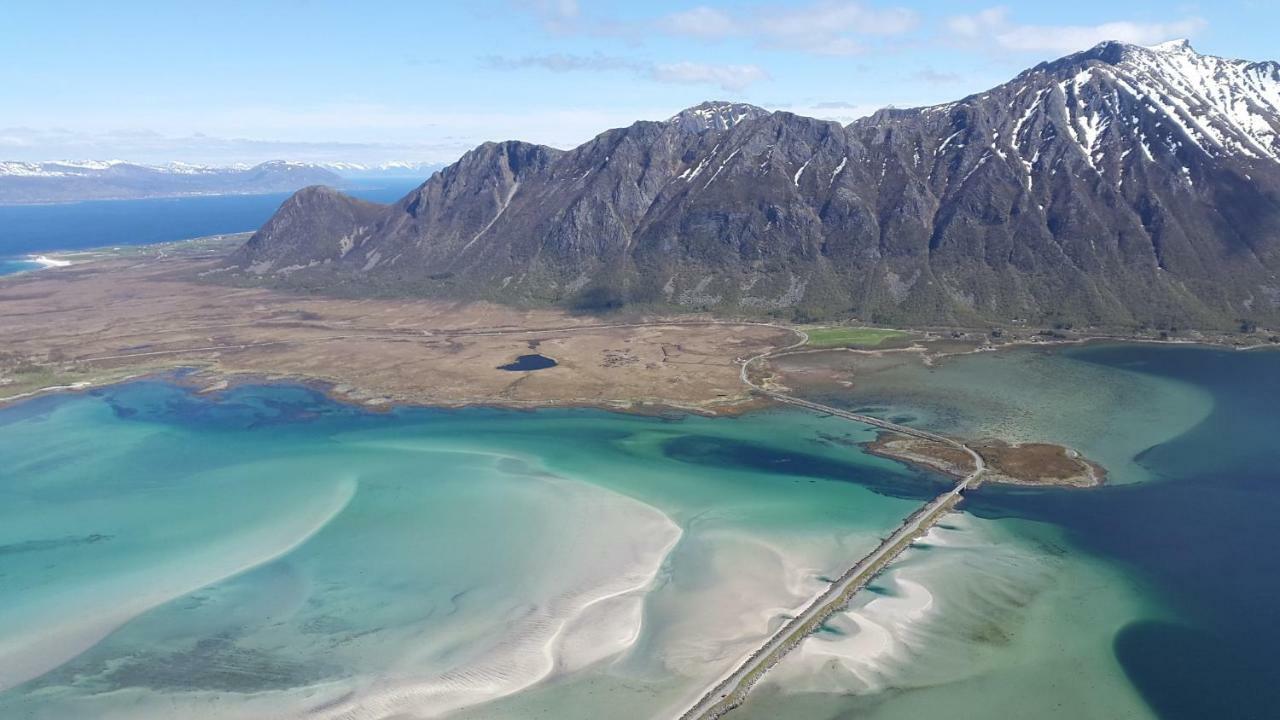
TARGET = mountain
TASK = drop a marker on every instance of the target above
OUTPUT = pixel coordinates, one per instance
(395, 169)
(52, 182)
(1122, 185)
(718, 116)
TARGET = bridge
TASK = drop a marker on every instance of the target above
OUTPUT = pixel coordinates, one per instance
(732, 689)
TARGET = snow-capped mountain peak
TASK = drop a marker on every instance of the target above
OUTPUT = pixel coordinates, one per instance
(1178, 45)
(56, 168)
(1119, 100)
(715, 115)
(89, 168)
(1222, 105)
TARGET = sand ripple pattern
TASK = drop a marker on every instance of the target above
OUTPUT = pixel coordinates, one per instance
(599, 618)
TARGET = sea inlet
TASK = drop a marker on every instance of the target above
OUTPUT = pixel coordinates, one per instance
(268, 552)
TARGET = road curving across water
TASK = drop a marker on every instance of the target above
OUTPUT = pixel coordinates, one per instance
(731, 689)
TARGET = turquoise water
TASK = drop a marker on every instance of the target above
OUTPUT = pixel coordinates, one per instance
(37, 229)
(1152, 598)
(269, 553)
(1111, 412)
(8, 266)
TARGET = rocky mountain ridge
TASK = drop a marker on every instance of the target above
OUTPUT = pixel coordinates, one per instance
(1117, 186)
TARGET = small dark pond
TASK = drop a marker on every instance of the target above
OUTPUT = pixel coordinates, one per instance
(529, 362)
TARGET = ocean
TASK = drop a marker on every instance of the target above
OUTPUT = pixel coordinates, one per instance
(32, 230)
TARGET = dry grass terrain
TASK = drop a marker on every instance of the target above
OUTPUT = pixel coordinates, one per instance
(1025, 464)
(139, 313)
(928, 454)
(1038, 464)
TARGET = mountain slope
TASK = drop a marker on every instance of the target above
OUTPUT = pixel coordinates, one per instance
(1121, 185)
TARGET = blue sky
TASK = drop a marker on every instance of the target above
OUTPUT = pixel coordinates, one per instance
(374, 81)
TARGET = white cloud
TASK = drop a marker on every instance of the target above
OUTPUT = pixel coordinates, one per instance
(840, 111)
(829, 27)
(728, 77)
(701, 21)
(836, 47)
(346, 132)
(556, 15)
(936, 77)
(567, 17)
(838, 17)
(561, 62)
(994, 26)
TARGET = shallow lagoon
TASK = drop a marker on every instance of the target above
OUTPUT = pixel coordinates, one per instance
(267, 552)
(1152, 598)
(300, 555)
(1113, 412)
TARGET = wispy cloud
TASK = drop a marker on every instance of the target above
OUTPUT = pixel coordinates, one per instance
(568, 17)
(824, 28)
(994, 26)
(562, 62)
(725, 76)
(936, 77)
(151, 147)
(371, 133)
(840, 111)
(729, 77)
(555, 15)
(702, 21)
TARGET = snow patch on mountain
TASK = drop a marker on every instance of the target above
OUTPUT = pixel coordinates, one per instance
(715, 115)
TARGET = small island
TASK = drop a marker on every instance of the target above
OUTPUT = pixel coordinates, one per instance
(1038, 464)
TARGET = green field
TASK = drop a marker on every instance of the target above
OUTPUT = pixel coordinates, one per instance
(850, 336)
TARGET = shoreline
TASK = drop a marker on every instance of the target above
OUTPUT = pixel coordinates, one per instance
(334, 391)
(44, 261)
(929, 357)
(347, 394)
(380, 354)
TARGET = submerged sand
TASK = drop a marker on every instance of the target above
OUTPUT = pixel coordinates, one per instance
(973, 620)
(62, 628)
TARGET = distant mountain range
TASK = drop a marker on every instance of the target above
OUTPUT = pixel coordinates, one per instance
(1123, 185)
(66, 181)
(393, 169)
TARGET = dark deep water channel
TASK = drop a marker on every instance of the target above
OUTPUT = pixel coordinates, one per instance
(1204, 534)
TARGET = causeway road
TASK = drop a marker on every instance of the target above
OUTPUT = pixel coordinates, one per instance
(732, 689)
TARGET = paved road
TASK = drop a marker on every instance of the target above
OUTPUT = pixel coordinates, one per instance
(803, 338)
(732, 689)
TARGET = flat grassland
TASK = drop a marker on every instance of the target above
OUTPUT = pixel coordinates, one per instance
(137, 313)
(836, 336)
